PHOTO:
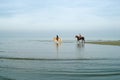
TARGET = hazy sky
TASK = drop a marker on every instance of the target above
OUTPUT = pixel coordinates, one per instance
(39, 15)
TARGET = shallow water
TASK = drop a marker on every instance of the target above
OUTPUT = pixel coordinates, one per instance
(46, 60)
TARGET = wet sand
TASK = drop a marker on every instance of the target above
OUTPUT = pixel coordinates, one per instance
(114, 43)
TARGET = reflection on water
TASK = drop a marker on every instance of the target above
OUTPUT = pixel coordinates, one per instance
(80, 45)
(57, 49)
(50, 50)
(68, 51)
(80, 50)
(43, 60)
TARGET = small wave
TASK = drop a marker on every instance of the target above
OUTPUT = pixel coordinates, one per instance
(41, 40)
(50, 59)
(2, 51)
(84, 74)
(64, 41)
(4, 78)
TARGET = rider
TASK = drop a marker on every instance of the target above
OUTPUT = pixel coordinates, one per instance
(80, 35)
(57, 37)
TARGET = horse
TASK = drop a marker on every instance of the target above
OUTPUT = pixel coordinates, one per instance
(80, 38)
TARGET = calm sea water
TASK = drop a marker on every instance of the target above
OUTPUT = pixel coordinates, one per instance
(46, 60)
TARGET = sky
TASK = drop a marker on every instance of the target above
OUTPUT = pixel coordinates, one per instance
(60, 16)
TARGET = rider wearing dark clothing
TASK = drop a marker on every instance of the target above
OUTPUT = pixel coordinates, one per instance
(57, 37)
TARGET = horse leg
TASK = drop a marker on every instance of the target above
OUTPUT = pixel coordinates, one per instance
(84, 40)
(78, 41)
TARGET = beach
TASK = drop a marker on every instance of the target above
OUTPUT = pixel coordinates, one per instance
(46, 60)
(42, 40)
(114, 43)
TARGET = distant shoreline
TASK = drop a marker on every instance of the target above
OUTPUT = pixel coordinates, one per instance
(114, 43)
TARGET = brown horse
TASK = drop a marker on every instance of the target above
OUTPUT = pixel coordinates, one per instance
(80, 38)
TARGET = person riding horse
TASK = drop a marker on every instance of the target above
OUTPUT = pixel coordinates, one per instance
(79, 37)
(57, 39)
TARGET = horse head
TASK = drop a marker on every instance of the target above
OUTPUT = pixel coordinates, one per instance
(76, 36)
